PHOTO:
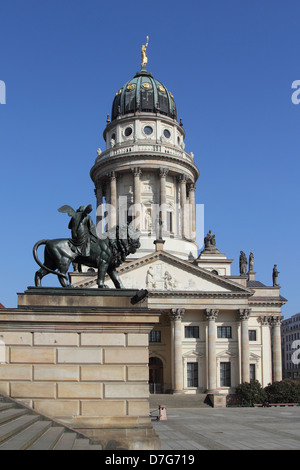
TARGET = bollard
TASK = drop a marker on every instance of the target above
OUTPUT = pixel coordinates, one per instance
(162, 413)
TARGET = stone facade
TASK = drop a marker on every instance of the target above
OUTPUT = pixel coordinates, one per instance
(215, 331)
(82, 359)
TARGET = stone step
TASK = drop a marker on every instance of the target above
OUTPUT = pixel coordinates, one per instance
(22, 440)
(66, 441)
(22, 428)
(49, 439)
(178, 400)
(17, 425)
(11, 413)
(83, 444)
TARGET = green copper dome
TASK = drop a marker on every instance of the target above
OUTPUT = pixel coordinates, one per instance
(143, 93)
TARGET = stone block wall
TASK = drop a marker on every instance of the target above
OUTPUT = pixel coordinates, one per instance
(77, 374)
(84, 369)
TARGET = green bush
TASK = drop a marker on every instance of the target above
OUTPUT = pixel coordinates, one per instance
(286, 391)
(249, 393)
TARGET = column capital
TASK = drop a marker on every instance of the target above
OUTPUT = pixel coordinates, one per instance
(244, 313)
(276, 321)
(265, 320)
(177, 313)
(192, 187)
(211, 314)
(112, 175)
(182, 178)
(136, 171)
(163, 172)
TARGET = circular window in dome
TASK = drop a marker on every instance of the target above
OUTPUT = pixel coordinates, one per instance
(167, 133)
(147, 85)
(131, 86)
(148, 130)
(161, 88)
(128, 131)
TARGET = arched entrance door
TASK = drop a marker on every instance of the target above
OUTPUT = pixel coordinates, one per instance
(155, 375)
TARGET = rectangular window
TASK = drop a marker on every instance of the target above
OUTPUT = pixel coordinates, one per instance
(252, 371)
(252, 335)
(155, 336)
(225, 376)
(192, 374)
(191, 331)
(224, 332)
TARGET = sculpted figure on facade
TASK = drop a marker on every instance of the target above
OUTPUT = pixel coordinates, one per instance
(209, 240)
(169, 282)
(243, 263)
(251, 262)
(150, 282)
(275, 276)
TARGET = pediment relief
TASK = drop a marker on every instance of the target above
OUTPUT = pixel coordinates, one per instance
(226, 355)
(192, 354)
(161, 271)
(254, 357)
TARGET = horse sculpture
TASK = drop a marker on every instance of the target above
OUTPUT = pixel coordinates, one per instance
(104, 253)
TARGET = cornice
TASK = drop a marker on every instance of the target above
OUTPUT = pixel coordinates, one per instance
(104, 165)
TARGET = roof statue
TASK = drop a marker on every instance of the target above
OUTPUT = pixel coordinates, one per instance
(144, 55)
(243, 263)
(275, 276)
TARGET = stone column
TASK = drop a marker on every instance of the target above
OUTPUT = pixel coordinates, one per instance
(163, 197)
(244, 347)
(192, 189)
(176, 317)
(266, 358)
(184, 226)
(112, 215)
(277, 360)
(137, 196)
(211, 316)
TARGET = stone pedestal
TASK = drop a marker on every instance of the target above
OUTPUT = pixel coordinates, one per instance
(81, 356)
(217, 401)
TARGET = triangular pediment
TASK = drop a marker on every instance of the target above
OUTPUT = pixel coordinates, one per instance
(161, 271)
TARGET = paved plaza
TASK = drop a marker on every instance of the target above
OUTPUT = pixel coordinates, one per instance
(230, 429)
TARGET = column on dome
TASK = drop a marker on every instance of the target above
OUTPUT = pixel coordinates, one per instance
(137, 196)
(163, 197)
(112, 213)
(192, 207)
(184, 222)
(277, 360)
(176, 316)
(211, 316)
(244, 346)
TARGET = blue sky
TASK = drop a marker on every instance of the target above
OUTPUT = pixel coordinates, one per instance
(230, 65)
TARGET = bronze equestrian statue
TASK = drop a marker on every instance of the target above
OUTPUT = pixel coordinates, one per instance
(104, 253)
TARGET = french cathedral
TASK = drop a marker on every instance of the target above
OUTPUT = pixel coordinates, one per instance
(217, 329)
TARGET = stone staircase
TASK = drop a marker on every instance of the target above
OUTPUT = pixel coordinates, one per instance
(23, 429)
(178, 401)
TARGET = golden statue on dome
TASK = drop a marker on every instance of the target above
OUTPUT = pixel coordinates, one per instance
(144, 55)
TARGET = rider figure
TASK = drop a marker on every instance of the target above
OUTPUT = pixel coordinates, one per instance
(83, 231)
